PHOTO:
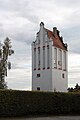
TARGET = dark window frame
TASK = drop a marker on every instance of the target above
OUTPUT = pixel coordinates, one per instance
(63, 75)
(38, 88)
(38, 75)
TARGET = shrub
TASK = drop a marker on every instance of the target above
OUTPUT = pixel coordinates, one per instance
(21, 103)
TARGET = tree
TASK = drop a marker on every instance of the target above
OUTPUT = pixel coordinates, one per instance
(70, 89)
(77, 87)
(5, 51)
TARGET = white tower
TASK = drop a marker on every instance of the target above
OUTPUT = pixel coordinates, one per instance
(49, 61)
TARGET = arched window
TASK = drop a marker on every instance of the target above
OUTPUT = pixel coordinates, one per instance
(43, 57)
(64, 60)
(60, 59)
(38, 57)
(34, 58)
(55, 57)
(48, 57)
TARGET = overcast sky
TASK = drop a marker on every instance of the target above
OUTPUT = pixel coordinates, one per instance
(20, 19)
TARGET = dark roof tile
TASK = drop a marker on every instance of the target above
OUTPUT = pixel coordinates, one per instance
(57, 42)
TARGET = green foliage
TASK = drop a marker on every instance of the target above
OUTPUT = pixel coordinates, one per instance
(5, 51)
(3, 85)
(23, 103)
(75, 89)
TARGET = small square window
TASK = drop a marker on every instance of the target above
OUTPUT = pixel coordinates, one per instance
(63, 75)
(38, 88)
(38, 75)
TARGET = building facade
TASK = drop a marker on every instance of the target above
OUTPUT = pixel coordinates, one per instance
(49, 61)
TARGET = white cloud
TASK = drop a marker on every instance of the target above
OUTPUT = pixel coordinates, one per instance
(74, 69)
(19, 79)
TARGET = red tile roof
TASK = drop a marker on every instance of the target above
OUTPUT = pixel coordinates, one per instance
(57, 41)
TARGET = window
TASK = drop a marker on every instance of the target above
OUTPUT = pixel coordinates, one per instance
(48, 57)
(38, 75)
(45, 36)
(43, 57)
(34, 58)
(60, 59)
(38, 88)
(59, 63)
(38, 57)
(55, 57)
(63, 75)
(38, 38)
(64, 60)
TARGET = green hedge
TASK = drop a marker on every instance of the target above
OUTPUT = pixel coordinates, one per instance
(23, 103)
